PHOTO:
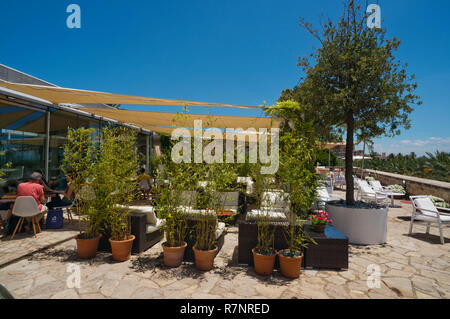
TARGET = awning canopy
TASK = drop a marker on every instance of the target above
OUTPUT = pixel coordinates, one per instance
(329, 146)
(159, 122)
(166, 122)
(58, 95)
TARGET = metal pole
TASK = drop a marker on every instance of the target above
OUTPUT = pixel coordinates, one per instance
(362, 168)
(47, 143)
(329, 158)
(147, 153)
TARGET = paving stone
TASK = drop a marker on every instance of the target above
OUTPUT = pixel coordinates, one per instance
(244, 290)
(200, 295)
(271, 292)
(396, 266)
(92, 296)
(146, 293)
(207, 285)
(336, 292)
(66, 294)
(108, 287)
(402, 286)
(125, 288)
(421, 295)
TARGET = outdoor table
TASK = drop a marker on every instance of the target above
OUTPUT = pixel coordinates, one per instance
(8, 199)
(331, 251)
(392, 195)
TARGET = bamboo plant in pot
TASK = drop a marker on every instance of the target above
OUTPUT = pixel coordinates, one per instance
(205, 248)
(298, 149)
(219, 176)
(291, 258)
(80, 156)
(168, 208)
(114, 182)
(264, 254)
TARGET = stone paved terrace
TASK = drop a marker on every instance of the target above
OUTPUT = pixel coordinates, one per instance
(25, 244)
(411, 267)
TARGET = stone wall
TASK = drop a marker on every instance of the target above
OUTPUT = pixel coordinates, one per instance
(414, 185)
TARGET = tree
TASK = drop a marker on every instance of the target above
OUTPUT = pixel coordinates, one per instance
(356, 83)
(326, 158)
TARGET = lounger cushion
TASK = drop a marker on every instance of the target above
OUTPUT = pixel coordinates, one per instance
(255, 214)
(154, 227)
(220, 229)
(427, 204)
(148, 210)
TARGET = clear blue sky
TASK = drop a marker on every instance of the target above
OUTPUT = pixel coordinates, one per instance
(240, 52)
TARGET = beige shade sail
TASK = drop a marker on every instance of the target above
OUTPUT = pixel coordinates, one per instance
(166, 122)
(57, 95)
(329, 146)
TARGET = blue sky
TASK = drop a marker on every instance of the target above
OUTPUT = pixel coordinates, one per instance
(240, 52)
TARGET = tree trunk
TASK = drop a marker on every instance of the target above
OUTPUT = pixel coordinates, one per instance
(350, 188)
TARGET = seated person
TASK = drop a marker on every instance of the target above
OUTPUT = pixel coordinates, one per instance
(68, 196)
(46, 185)
(34, 189)
(145, 184)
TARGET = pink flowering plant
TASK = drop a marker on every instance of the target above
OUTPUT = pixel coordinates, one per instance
(320, 219)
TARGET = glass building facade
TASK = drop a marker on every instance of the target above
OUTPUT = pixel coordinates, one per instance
(31, 137)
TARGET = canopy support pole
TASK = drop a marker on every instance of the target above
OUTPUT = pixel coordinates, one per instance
(47, 144)
(147, 153)
(364, 152)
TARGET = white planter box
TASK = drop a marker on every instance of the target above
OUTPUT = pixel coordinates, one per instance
(361, 226)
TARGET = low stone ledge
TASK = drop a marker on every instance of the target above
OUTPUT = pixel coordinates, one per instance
(414, 185)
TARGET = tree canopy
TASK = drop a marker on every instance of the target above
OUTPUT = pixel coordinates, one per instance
(354, 83)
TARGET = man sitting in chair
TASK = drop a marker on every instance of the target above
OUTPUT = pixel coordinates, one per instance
(36, 190)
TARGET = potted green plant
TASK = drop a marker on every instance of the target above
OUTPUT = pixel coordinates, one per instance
(320, 221)
(219, 177)
(170, 197)
(80, 155)
(205, 248)
(291, 258)
(264, 254)
(114, 183)
(175, 228)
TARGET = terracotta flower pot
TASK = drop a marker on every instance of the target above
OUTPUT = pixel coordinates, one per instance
(121, 249)
(320, 228)
(263, 263)
(204, 259)
(173, 256)
(87, 248)
(290, 266)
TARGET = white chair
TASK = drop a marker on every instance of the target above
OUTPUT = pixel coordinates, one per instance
(339, 180)
(323, 197)
(277, 201)
(365, 192)
(376, 186)
(425, 211)
(26, 207)
(248, 181)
